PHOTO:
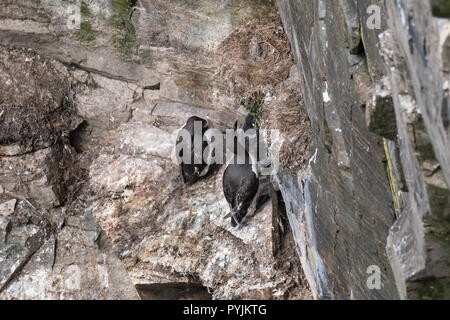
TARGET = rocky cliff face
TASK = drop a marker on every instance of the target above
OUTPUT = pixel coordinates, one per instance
(92, 94)
(92, 203)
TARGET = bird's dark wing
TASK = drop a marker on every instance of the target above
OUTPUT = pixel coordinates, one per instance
(247, 190)
(228, 191)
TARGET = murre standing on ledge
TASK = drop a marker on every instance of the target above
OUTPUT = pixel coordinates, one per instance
(241, 180)
(197, 166)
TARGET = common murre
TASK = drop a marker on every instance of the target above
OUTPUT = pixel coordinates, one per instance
(196, 166)
(240, 180)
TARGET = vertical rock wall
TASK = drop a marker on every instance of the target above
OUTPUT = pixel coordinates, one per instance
(377, 96)
(416, 51)
(345, 210)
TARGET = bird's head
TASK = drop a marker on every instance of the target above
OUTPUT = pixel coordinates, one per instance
(191, 173)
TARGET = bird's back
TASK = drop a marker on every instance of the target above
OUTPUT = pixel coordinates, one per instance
(238, 178)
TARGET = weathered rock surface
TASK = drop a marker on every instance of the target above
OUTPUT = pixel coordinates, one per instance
(46, 251)
(133, 88)
(74, 263)
(340, 207)
(360, 79)
(162, 231)
(416, 55)
(91, 203)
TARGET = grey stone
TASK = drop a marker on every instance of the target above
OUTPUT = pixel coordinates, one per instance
(417, 246)
(8, 207)
(5, 227)
(343, 212)
(21, 243)
(76, 268)
(37, 171)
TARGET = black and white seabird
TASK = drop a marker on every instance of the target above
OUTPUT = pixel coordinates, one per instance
(192, 172)
(241, 181)
(250, 123)
(240, 187)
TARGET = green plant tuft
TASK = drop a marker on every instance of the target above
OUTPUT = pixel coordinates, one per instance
(85, 34)
(123, 7)
(440, 8)
(124, 39)
(84, 10)
(254, 107)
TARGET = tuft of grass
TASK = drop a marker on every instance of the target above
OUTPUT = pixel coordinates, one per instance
(254, 107)
(84, 10)
(124, 39)
(85, 34)
(123, 7)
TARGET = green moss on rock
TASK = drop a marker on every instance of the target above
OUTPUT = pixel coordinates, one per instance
(123, 7)
(124, 38)
(84, 10)
(440, 8)
(254, 107)
(435, 289)
(85, 34)
(439, 230)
